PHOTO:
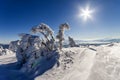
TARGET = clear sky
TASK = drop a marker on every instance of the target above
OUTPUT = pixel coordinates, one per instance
(18, 16)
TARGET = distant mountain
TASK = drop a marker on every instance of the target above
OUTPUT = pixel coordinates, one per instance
(93, 42)
(66, 42)
(108, 40)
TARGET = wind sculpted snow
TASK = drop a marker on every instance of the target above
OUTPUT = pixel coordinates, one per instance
(76, 63)
(94, 63)
(10, 70)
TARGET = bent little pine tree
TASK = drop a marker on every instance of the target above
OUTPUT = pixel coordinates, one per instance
(60, 35)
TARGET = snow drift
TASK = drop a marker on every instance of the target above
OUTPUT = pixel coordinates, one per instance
(76, 63)
(94, 63)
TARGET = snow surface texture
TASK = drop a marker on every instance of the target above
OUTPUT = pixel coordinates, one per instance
(94, 63)
(76, 63)
(7, 59)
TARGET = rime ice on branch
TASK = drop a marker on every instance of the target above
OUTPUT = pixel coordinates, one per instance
(47, 32)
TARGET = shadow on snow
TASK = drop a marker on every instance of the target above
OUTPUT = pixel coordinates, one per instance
(12, 71)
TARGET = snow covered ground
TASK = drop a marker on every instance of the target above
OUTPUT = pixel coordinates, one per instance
(76, 63)
(5, 59)
(9, 69)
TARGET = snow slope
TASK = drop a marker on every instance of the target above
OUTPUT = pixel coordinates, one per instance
(82, 65)
(94, 63)
(75, 66)
(8, 69)
(89, 63)
(107, 63)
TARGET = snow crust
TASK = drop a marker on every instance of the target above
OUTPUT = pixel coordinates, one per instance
(77, 63)
(93, 63)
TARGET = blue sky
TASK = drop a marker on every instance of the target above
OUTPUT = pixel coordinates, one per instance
(18, 16)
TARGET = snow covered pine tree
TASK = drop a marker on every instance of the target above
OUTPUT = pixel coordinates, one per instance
(60, 35)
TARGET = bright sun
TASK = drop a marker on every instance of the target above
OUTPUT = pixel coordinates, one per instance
(86, 13)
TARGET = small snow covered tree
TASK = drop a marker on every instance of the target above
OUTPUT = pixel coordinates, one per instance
(71, 42)
(31, 53)
(29, 45)
(5, 51)
(60, 35)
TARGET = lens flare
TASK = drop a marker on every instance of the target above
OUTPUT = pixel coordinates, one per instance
(86, 13)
